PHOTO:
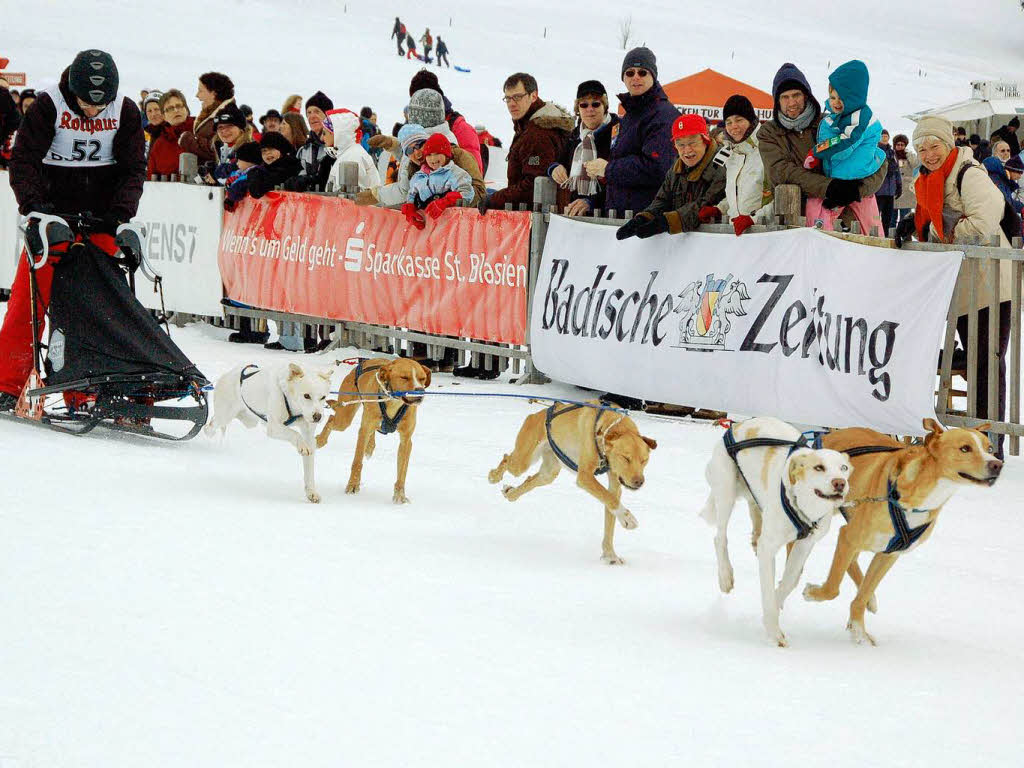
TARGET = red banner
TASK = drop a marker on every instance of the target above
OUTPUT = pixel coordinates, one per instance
(464, 275)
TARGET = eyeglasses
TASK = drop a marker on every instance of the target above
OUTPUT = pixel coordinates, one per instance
(591, 104)
(174, 108)
(689, 141)
(635, 73)
(517, 97)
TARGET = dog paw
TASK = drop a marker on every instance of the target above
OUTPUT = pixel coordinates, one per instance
(321, 439)
(313, 496)
(612, 559)
(304, 449)
(626, 518)
(858, 634)
(726, 580)
(495, 475)
(815, 593)
(508, 492)
(352, 488)
(777, 636)
(400, 498)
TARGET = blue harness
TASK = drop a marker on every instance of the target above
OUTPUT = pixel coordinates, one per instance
(388, 425)
(733, 447)
(905, 536)
(562, 456)
(247, 373)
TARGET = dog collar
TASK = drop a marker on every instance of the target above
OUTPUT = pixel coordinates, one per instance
(247, 373)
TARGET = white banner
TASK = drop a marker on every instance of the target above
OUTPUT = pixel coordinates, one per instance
(794, 324)
(9, 236)
(183, 224)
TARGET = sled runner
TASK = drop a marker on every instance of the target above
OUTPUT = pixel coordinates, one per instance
(107, 361)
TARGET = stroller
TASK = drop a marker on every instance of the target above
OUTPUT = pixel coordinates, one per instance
(107, 360)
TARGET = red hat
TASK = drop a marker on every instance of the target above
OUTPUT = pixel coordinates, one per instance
(437, 144)
(690, 125)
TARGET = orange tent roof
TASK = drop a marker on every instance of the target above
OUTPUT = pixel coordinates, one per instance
(706, 93)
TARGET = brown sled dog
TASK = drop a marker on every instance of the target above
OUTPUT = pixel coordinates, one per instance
(375, 379)
(894, 501)
(591, 439)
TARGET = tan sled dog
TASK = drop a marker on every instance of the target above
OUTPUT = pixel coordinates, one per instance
(895, 499)
(591, 439)
(374, 380)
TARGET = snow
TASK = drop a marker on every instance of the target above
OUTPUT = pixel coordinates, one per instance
(183, 605)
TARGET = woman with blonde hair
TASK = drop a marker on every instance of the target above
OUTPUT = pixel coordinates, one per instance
(292, 104)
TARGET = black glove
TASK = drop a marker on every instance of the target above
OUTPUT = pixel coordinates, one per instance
(631, 227)
(109, 223)
(904, 231)
(33, 238)
(841, 192)
(655, 226)
(482, 206)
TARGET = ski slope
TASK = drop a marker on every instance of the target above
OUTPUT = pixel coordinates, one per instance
(183, 605)
(918, 57)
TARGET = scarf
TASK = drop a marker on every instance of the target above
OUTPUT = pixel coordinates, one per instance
(579, 180)
(901, 154)
(799, 123)
(930, 188)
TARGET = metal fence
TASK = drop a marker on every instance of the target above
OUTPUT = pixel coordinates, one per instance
(957, 384)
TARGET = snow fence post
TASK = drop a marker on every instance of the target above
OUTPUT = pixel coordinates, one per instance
(188, 167)
(787, 204)
(349, 178)
(545, 195)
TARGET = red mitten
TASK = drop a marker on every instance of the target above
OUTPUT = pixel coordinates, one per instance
(811, 162)
(413, 216)
(741, 223)
(709, 213)
(436, 207)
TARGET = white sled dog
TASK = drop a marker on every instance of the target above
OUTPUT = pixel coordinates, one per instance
(792, 496)
(280, 397)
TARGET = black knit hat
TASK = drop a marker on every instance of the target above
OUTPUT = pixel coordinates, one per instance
(93, 78)
(643, 58)
(275, 140)
(1014, 164)
(249, 153)
(320, 100)
(1014, 122)
(230, 115)
(424, 79)
(271, 113)
(740, 106)
(588, 87)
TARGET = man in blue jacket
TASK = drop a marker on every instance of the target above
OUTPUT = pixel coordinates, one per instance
(641, 152)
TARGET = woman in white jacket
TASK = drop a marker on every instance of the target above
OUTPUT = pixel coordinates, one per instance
(748, 198)
(350, 151)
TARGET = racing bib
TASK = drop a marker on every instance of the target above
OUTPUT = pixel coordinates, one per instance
(82, 141)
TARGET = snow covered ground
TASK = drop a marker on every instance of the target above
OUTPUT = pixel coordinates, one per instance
(183, 605)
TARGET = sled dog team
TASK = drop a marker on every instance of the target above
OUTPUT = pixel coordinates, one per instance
(889, 493)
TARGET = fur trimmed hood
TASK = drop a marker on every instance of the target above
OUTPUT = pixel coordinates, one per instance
(551, 116)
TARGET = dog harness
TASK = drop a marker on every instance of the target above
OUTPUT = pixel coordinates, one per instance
(247, 373)
(733, 448)
(562, 456)
(388, 425)
(905, 535)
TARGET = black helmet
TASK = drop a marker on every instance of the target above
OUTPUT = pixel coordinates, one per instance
(92, 77)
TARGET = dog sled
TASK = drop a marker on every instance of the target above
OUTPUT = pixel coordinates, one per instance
(106, 361)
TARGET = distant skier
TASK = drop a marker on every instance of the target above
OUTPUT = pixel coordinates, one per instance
(428, 44)
(398, 33)
(442, 52)
(411, 45)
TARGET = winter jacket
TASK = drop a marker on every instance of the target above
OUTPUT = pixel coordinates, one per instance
(464, 133)
(260, 179)
(398, 30)
(491, 141)
(686, 190)
(353, 153)
(10, 118)
(1009, 188)
(427, 40)
(976, 208)
(226, 162)
(908, 171)
(893, 184)
(539, 135)
(107, 191)
(427, 185)
(199, 141)
(1010, 138)
(442, 47)
(165, 151)
(641, 152)
(397, 193)
(603, 146)
(316, 163)
(746, 191)
(848, 142)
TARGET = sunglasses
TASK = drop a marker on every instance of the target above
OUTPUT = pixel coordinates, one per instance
(590, 104)
(413, 148)
(635, 73)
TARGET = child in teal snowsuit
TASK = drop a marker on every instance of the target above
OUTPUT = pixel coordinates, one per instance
(847, 148)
